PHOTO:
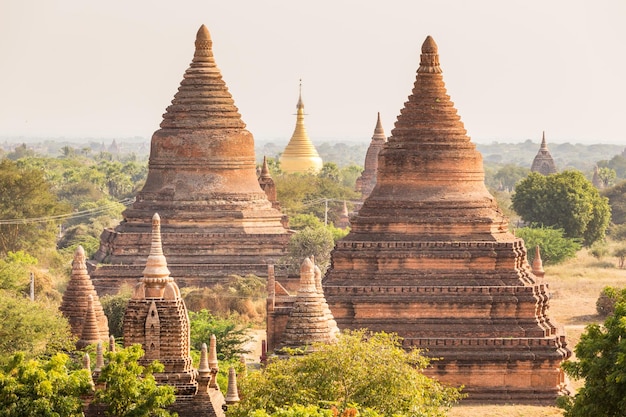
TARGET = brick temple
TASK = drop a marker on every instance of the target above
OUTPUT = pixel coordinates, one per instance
(202, 180)
(430, 257)
(543, 162)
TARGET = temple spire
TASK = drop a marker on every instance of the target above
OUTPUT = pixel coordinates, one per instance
(300, 154)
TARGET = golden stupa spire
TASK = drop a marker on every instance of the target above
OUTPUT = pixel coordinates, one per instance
(300, 154)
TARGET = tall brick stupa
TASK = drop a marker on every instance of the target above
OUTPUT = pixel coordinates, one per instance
(202, 180)
(429, 256)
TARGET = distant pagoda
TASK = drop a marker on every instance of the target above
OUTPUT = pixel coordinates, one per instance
(429, 257)
(300, 154)
(202, 179)
(543, 162)
(366, 182)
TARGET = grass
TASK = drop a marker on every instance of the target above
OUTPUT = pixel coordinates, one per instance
(575, 286)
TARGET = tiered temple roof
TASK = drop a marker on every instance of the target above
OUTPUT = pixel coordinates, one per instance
(543, 162)
(81, 302)
(366, 182)
(300, 154)
(156, 318)
(429, 256)
(202, 179)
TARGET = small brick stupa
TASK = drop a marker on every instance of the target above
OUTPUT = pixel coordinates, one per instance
(366, 182)
(300, 154)
(310, 320)
(429, 257)
(156, 318)
(81, 305)
(543, 162)
(202, 179)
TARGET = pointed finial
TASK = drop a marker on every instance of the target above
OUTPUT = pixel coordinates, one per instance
(156, 274)
(87, 366)
(79, 264)
(307, 276)
(429, 59)
(544, 145)
(203, 45)
(204, 370)
(300, 105)
(111, 343)
(99, 358)
(87, 362)
(344, 212)
(265, 170)
(232, 394)
(212, 361)
(537, 266)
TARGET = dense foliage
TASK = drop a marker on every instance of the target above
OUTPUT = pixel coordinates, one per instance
(362, 369)
(554, 247)
(129, 389)
(601, 361)
(230, 336)
(617, 201)
(33, 327)
(567, 201)
(45, 388)
(25, 194)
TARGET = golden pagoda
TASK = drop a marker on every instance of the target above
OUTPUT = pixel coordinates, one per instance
(300, 154)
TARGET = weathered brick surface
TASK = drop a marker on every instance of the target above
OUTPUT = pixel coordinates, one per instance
(429, 256)
(202, 181)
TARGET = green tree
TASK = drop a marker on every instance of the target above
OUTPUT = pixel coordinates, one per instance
(230, 336)
(114, 306)
(130, 389)
(25, 194)
(370, 370)
(509, 175)
(45, 388)
(567, 201)
(33, 327)
(601, 361)
(318, 242)
(14, 271)
(555, 248)
(607, 176)
(617, 202)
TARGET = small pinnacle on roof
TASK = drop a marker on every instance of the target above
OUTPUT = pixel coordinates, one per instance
(265, 170)
(204, 370)
(232, 393)
(429, 59)
(156, 266)
(203, 45)
(99, 358)
(212, 361)
(543, 140)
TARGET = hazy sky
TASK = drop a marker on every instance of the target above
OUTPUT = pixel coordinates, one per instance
(513, 68)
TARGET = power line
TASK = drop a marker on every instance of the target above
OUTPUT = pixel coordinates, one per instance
(67, 216)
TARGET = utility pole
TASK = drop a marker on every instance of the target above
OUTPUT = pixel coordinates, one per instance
(325, 212)
(32, 286)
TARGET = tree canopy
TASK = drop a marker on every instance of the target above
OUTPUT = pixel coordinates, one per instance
(366, 370)
(567, 201)
(129, 389)
(46, 388)
(601, 361)
(25, 194)
(554, 247)
(32, 327)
